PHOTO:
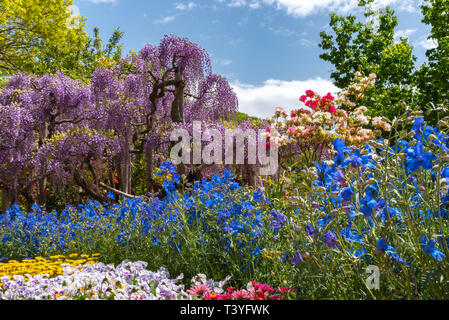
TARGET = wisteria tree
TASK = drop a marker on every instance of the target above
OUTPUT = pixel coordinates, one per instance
(15, 145)
(81, 134)
(162, 85)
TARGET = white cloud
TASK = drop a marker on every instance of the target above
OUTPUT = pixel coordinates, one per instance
(184, 7)
(404, 33)
(254, 4)
(303, 8)
(225, 62)
(428, 43)
(165, 20)
(261, 100)
(237, 3)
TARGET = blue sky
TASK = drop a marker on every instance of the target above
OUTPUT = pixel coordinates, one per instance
(267, 49)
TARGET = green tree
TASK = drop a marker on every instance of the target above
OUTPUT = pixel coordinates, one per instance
(433, 78)
(370, 47)
(79, 58)
(41, 37)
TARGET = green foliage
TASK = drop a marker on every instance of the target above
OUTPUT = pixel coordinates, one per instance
(369, 47)
(433, 78)
(44, 37)
(240, 117)
(79, 59)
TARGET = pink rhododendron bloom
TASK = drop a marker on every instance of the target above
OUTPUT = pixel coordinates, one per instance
(310, 93)
(292, 130)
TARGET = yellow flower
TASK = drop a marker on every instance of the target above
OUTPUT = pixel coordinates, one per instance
(40, 265)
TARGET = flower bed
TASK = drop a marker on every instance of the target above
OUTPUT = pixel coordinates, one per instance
(384, 205)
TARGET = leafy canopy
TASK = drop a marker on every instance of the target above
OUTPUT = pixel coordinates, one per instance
(45, 37)
(369, 47)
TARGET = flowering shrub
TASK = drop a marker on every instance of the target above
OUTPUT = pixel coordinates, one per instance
(128, 281)
(384, 205)
(309, 132)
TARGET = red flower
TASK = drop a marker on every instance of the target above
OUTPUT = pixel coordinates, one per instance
(213, 296)
(310, 93)
(225, 296)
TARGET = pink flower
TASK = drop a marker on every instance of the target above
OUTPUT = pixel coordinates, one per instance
(225, 296)
(310, 93)
(265, 287)
(241, 295)
(303, 98)
(285, 290)
(199, 290)
(292, 130)
(329, 96)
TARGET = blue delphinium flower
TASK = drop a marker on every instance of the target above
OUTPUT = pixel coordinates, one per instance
(372, 190)
(339, 146)
(418, 126)
(360, 254)
(347, 193)
(330, 239)
(310, 230)
(417, 158)
(324, 174)
(258, 196)
(383, 247)
(278, 220)
(429, 248)
(166, 167)
(297, 258)
(351, 235)
(368, 207)
(359, 160)
(339, 177)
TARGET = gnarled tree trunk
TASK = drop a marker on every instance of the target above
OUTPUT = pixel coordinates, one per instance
(5, 200)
